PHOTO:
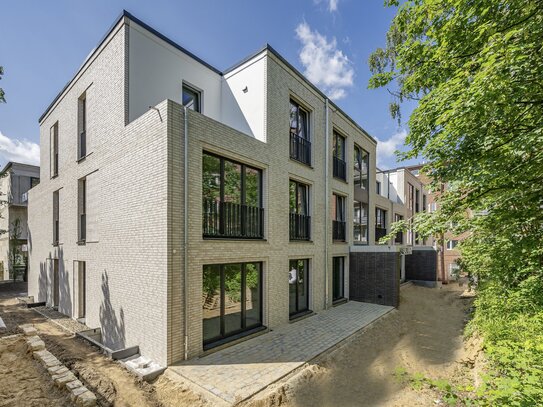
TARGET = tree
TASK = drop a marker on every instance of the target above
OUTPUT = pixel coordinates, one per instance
(476, 70)
(2, 98)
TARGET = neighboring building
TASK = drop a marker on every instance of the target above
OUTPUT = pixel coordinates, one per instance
(16, 179)
(279, 192)
(450, 253)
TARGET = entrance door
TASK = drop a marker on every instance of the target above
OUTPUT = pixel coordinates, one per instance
(338, 279)
(81, 289)
(298, 287)
(56, 283)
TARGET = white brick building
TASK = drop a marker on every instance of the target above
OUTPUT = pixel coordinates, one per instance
(277, 193)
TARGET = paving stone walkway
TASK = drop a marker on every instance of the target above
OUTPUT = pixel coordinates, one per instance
(238, 372)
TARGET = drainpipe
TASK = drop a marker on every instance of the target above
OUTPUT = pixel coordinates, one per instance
(326, 204)
(186, 230)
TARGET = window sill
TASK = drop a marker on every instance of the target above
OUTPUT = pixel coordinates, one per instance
(81, 242)
(300, 241)
(54, 176)
(339, 301)
(81, 159)
(339, 241)
(56, 244)
(340, 179)
(302, 163)
(234, 239)
(301, 315)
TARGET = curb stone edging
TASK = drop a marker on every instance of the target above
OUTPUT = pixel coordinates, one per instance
(59, 373)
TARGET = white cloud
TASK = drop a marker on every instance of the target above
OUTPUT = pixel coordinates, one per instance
(332, 4)
(386, 148)
(22, 151)
(325, 65)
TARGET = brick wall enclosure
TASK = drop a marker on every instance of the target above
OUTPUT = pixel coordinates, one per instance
(421, 265)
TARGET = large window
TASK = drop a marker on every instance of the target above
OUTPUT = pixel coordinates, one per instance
(340, 167)
(451, 244)
(299, 219)
(300, 144)
(53, 139)
(232, 196)
(82, 127)
(410, 197)
(338, 218)
(192, 98)
(361, 167)
(360, 223)
(298, 281)
(232, 300)
(82, 210)
(338, 278)
(380, 224)
(417, 200)
(56, 220)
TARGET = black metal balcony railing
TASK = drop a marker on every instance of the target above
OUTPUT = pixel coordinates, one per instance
(82, 144)
(340, 168)
(82, 227)
(379, 233)
(232, 220)
(300, 149)
(338, 230)
(300, 227)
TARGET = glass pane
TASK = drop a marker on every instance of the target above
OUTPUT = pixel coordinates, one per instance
(232, 182)
(302, 199)
(292, 196)
(211, 178)
(303, 298)
(292, 277)
(211, 302)
(191, 99)
(337, 286)
(302, 124)
(252, 187)
(253, 302)
(365, 160)
(293, 118)
(232, 298)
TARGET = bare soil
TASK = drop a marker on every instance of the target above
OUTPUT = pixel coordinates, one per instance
(425, 335)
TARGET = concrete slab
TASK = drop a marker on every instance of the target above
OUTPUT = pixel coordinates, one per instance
(240, 371)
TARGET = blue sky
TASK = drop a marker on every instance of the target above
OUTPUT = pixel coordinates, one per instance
(42, 44)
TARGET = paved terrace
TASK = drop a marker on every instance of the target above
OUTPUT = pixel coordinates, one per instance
(238, 372)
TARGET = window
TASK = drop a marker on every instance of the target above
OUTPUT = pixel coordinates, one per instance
(338, 217)
(340, 167)
(378, 187)
(338, 278)
(300, 144)
(411, 197)
(232, 302)
(82, 210)
(451, 244)
(361, 167)
(191, 98)
(424, 202)
(360, 223)
(399, 236)
(299, 219)
(81, 289)
(54, 150)
(432, 207)
(82, 127)
(380, 224)
(298, 287)
(56, 223)
(417, 201)
(232, 196)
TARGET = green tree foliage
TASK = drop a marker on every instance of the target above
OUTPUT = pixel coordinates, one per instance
(476, 70)
(2, 97)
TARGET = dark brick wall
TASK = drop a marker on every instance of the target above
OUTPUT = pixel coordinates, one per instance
(421, 265)
(375, 277)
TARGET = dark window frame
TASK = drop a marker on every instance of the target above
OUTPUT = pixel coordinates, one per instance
(300, 145)
(56, 217)
(221, 232)
(358, 223)
(341, 270)
(224, 337)
(54, 149)
(82, 127)
(82, 211)
(380, 223)
(398, 239)
(359, 154)
(339, 152)
(339, 221)
(299, 221)
(195, 92)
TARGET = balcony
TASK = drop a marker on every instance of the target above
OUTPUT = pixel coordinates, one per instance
(300, 227)
(300, 149)
(340, 168)
(379, 233)
(232, 221)
(338, 230)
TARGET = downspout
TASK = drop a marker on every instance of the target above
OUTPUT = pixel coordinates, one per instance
(326, 203)
(186, 230)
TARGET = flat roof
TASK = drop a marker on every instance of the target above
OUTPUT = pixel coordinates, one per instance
(267, 47)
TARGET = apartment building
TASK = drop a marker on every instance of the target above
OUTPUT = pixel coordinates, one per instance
(182, 208)
(16, 179)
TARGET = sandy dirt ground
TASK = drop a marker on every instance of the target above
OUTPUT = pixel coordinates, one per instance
(112, 384)
(425, 335)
